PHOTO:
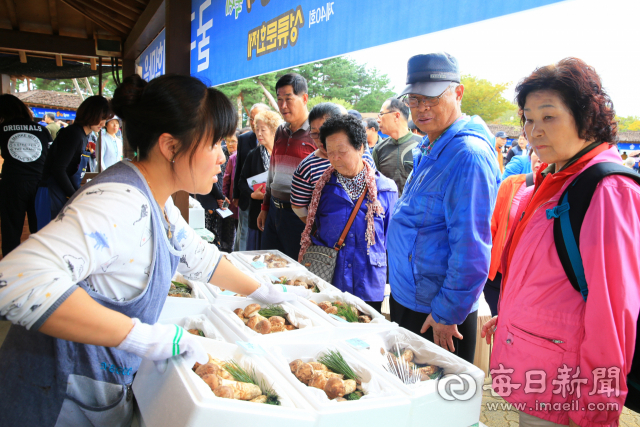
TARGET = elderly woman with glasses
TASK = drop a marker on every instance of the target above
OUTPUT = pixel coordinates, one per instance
(313, 166)
(546, 330)
(361, 266)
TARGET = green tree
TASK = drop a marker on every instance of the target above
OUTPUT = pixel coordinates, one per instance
(66, 85)
(631, 123)
(339, 79)
(483, 98)
(319, 99)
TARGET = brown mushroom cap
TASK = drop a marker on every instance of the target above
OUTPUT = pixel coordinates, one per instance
(206, 369)
(305, 373)
(263, 327)
(332, 310)
(290, 327)
(317, 366)
(239, 312)
(318, 380)
(254, 320)
(325, 305)
(277, 320)
(251, 310)
(212, 381)
(295, 365)
(364, 319)
(223, 391)
(334, 388)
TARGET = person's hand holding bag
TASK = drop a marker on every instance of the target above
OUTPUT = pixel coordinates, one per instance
(159, 342)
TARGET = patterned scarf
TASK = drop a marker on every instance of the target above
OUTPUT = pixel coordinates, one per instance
(353, 186)
(266, 158)
(373, 207)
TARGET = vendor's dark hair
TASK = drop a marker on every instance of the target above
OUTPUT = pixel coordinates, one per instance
(324, 110)
(92, 111)
(296, 81)
(372, 123)
(580, 88)
(11, 107)
(181, 106)
(348, 124)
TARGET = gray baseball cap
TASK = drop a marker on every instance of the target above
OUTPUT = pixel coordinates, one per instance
(431, 74)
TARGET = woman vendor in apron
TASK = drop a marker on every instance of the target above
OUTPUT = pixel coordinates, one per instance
(68, 158)
(85, 292)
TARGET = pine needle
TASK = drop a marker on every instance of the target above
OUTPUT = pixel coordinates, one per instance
(334, 361)
(273, 310)
(272, 396)
(239, 373)
(180, 285)
(353, 396)
(347, 312)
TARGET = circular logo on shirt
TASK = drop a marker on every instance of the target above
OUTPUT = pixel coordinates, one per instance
(25, 147)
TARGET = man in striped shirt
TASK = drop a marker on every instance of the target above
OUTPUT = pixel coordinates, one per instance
(280, 225)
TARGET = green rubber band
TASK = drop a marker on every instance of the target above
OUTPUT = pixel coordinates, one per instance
(176, 340)
(284, 288)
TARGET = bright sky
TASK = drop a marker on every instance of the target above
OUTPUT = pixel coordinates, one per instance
(603, 33)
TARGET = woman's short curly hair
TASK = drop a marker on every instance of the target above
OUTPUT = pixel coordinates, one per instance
(269, 118)
(580, 88)
(352, 127)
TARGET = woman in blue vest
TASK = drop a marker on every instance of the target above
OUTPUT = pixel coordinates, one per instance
(85, 292)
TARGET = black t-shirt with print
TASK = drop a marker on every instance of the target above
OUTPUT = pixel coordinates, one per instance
(24, 146)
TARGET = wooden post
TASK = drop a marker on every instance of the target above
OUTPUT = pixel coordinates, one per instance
(94, 64)
(100, 76)
(23, 56)
(89, 89)
(59, 60)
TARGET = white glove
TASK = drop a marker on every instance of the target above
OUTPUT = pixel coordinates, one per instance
(269, 293)
(160, 342)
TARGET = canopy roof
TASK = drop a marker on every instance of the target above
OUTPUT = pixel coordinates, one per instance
(50, 98)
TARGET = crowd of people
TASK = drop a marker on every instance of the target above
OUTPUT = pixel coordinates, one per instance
(423, 198)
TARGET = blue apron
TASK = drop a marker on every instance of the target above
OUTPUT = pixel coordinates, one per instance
(46, 381)
(50, 198)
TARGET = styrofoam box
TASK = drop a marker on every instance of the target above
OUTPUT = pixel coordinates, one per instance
(246, 257)
(196, 218)
(426, 403)
(178, 397)
(300, 274)
(177, 312)
(377, 319)
(224, 315)
(387, 407)
(200, 291)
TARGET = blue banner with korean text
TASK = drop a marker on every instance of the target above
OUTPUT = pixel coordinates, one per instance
(60, 114)
(152, 59)
(236, 39)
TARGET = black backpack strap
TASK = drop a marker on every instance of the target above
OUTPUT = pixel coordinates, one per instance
(571, 209)
(529, 179)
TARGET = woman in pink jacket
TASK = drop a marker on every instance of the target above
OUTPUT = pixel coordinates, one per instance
(558, 359)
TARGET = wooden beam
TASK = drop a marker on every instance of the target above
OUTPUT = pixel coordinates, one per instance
(88, 85)
(178, 37)
(109, 27)
(98, 11)
(13, 17)
(75, 83)
(133, 16)
(132, 8)
(22, 40)
(53, 12)
(59, 60)
(89, 28)
(94, 64)
(146, 29)
(23, 56)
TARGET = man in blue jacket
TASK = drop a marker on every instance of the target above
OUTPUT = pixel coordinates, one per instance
(439, 240)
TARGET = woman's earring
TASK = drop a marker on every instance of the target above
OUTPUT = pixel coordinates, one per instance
(173, 159)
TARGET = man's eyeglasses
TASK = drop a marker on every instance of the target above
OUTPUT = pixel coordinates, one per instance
(388, 112)
(427, 101)
(315, 135)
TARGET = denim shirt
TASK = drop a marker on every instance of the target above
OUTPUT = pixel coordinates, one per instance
(439, 241)
(357, 272)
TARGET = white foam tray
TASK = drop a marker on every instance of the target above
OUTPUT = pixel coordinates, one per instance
(300, 274)
(178, 397)
(200, 291)
(426, 403)
(377, 319)
(246, 258)
(222, 314)
(389, 406)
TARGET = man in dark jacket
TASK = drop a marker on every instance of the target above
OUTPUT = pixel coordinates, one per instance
(246, 142)
(393, 156)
